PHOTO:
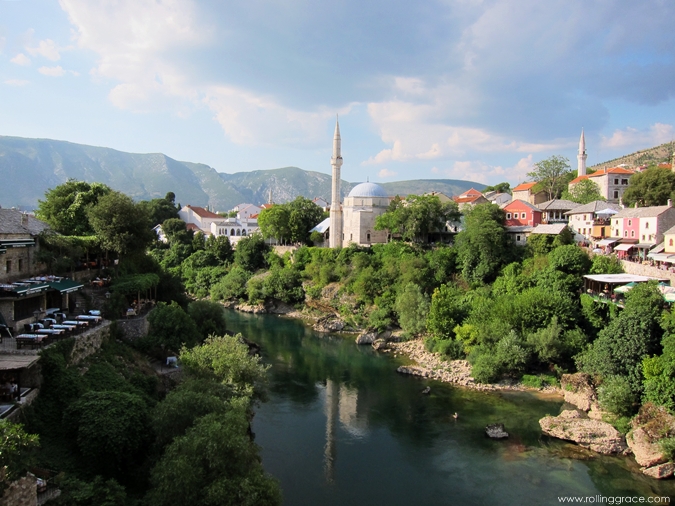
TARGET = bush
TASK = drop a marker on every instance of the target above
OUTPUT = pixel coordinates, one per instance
(209, 317)
(616, 396)
(412, 307)
(232, 285)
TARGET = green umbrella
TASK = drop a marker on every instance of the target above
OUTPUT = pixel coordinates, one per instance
(625, 288)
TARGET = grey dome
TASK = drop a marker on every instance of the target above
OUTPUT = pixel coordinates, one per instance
(367, 190)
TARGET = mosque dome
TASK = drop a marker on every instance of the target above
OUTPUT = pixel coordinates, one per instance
(367, 190)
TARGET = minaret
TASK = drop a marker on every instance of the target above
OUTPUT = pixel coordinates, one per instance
(335, 234)
(581, 157)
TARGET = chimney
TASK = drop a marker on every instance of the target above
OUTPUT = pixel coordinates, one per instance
(24, 219)
(670, 203)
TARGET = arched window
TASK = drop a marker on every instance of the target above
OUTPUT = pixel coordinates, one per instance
(670, 243)
(238, 232)
(243, 232)
(232, 232)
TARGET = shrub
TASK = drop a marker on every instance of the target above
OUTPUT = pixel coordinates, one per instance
(616, 396)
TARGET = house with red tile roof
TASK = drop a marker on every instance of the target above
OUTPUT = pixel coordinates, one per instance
(521, 218)
(529, 192)
(470, 197)
(199, 217)
(612, 182)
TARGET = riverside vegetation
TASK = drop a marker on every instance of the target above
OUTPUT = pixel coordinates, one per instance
(511, 312)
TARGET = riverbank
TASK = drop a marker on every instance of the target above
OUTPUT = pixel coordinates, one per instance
(458, 372)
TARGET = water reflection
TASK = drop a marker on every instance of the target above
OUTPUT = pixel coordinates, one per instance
(341, 427)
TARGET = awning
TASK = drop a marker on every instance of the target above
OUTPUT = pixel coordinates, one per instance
(662, 257)
(16, 243)
(606, 242)
(658, 248)
(65, 285)
(17, 362)
(22, 289)
(644, 245)
(624, 247)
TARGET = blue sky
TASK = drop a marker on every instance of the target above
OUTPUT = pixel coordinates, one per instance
(463, 89)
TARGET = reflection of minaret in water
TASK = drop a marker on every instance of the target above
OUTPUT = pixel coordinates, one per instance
(331, 406)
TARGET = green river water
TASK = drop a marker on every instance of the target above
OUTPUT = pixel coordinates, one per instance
(341, 427)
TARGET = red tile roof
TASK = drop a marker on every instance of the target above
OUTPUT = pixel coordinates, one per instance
(266, 206)
(192, 226)
(523, 187)
(463, 199)
(613, 170)
(579, 178)
(471, 192)
(203, 213)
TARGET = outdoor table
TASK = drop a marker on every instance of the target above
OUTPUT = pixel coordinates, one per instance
(80, 324)
(53, 332)
(94, 312)
(67, 328)
(95, 320)
(32, 339)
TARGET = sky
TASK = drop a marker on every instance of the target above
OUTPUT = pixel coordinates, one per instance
(453, 89)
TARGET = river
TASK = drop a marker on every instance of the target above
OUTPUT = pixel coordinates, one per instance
(341, 427)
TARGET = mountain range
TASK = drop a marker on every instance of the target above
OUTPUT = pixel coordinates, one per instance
(29, 167)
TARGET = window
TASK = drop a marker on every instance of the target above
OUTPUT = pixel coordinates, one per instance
(630, 223)
(20, 266)
(647, 225)
(670, 243)
(616, 180)
(625, 233)
(508, 216)
(8, 266)
(643, 237)
(523, 216)
(624, 181)
(632, 233)
(351, 236)
(617, 232)
(368, 237)
(517, 238)
(616, 194)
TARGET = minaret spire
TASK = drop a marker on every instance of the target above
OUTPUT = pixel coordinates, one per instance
(581, 156)
(335, 233)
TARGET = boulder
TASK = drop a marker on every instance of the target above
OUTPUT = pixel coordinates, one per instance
(496, 431)
(579, 391)
(366, 338)
(660, 471)
(380, 344)
(647, 453)
(595, 435)
(329, 325)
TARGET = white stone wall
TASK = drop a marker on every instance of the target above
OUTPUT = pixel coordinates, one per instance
(359, 215)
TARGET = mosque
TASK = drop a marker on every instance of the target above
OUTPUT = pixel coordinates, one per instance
(353, 222)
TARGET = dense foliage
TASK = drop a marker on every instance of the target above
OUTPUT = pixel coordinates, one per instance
(651, 187)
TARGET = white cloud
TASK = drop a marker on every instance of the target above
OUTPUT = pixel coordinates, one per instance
(46, 48)
(52, 71)
(658, 133)
(481, 172)
(21, 59)
(385, 173)
(16, 82)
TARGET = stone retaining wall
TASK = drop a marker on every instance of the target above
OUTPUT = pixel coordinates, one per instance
(134, 328)
(90, 342)
(22, 492)
(647, 270)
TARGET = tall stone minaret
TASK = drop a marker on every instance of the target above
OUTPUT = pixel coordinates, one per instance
(581, 156)
(335, 234)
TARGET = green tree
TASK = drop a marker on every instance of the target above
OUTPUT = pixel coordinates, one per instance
(483, 247)
(18, 451)
(274, 222)
(651, 187)
(232, 285)
(583, 192)
(176, 232)
(250, 253)
(448, 309)
(499, 188)
(412, 307)
(160, 210)
(65, 207)
(213, 464)
(171, 327)
(417, 217)
(226, 359)
(550, 175)
(111, 430)
(220, 247)
(603, 264)
(209, 317)
(121, 225)
(303, 216)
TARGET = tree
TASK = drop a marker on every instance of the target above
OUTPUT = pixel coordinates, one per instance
(550, 174)
(499, 188)
(160, 210)
(417, 217)
(171, 327)
(110, 430)
(213, 464)
(250, 252)
(448, 309)
(273, 222)
(65, 206)
(17, 450)
(121, 225)
(483, 247)
(652, 187)
(220, 247)
(225, 359)
(209, 317)
(412, 307)
(303, 216)
(583, 192)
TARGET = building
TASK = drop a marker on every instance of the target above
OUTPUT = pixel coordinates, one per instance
(501, 199)
(638, 229)
(25, 293)
(199, 216)
(234, 228)
(521, 218)
(590, 221)
(554, 210)
(612, 183)
(353, 222)
(246, 211)
(470, 198)
(529, 193)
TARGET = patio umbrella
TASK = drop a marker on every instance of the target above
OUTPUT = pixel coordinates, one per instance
(669, 297)
(606, 212)
(625, 288)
